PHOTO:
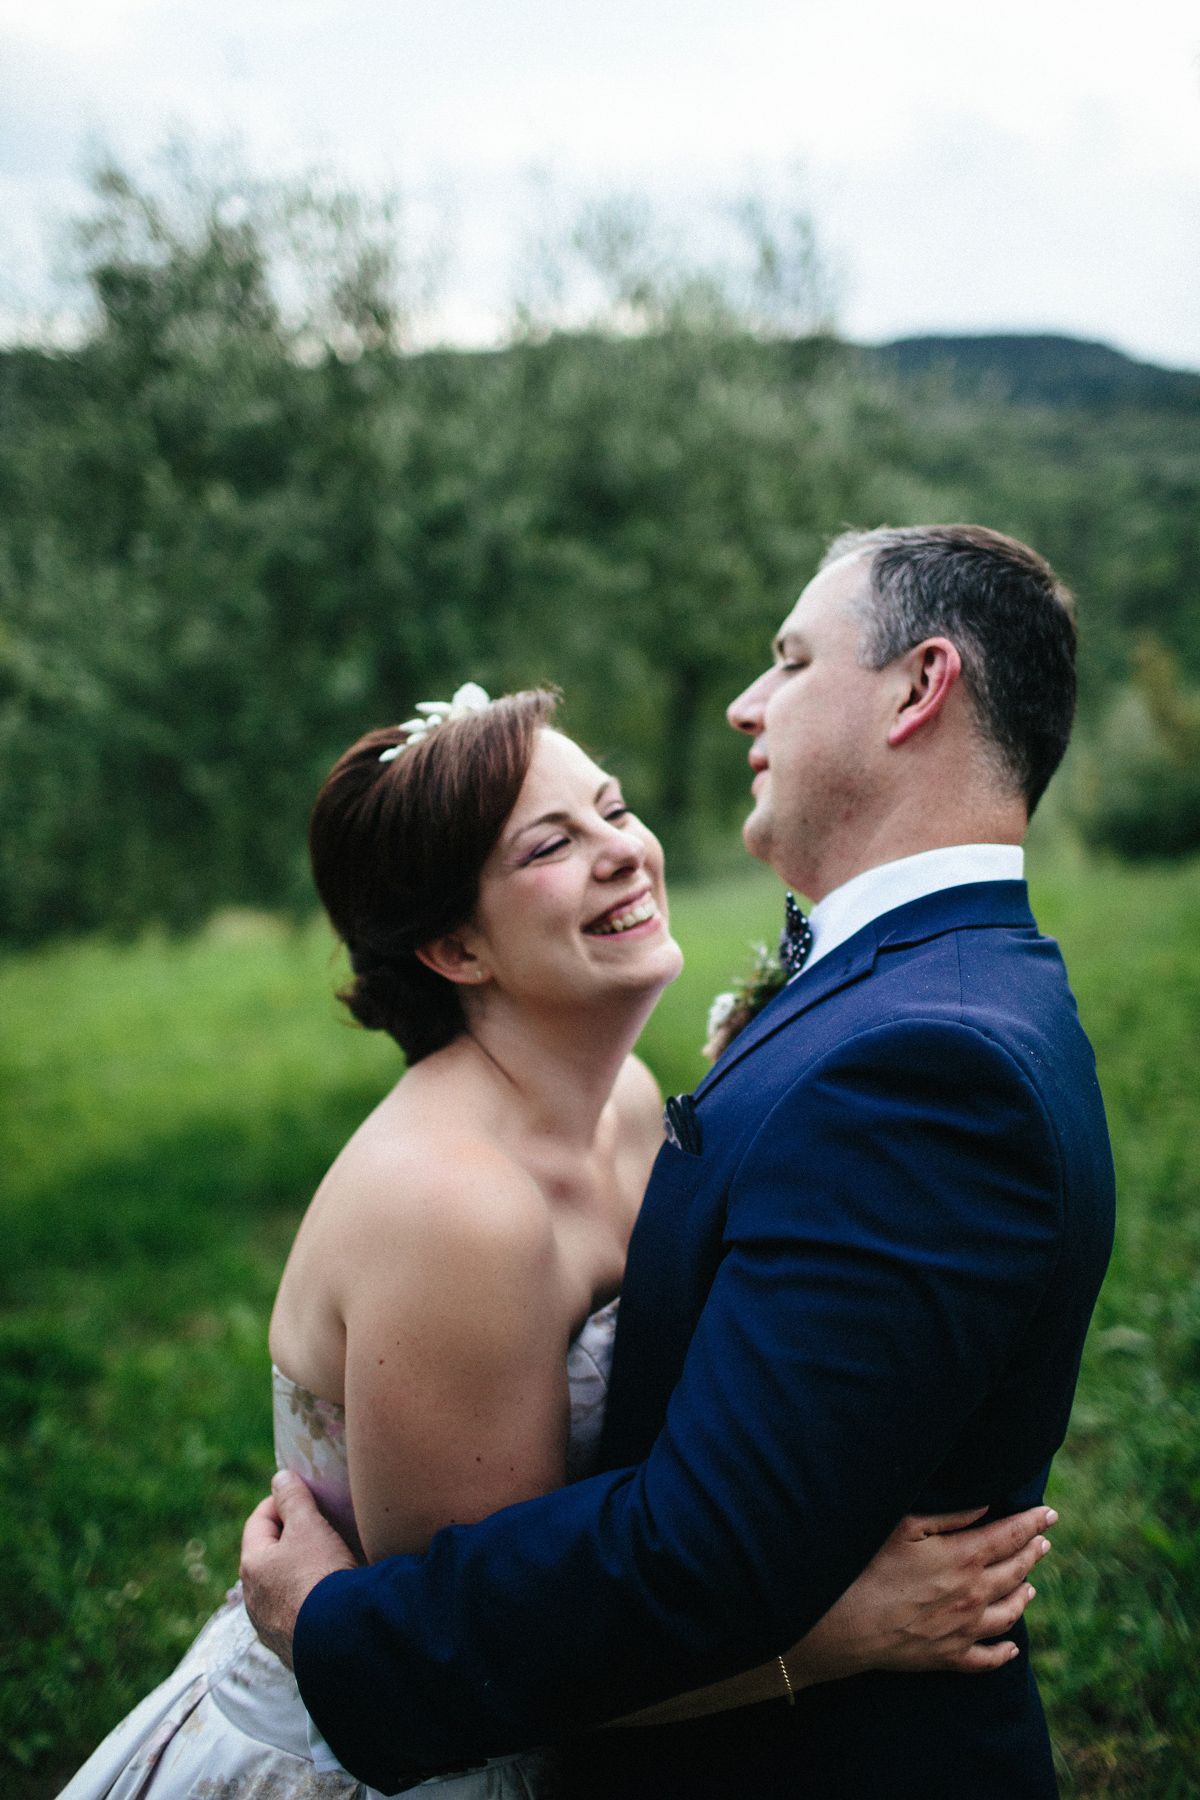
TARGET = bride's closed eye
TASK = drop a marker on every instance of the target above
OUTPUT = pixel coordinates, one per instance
(559, 843)
(615, 812)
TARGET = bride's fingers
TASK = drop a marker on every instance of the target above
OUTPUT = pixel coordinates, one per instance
(922, 1525)
(1005, 1538)
(1004, 1614)
(1000, 1579)
(1008, 1536)
(981, 1658)
(961, 1658)
(984, 1544)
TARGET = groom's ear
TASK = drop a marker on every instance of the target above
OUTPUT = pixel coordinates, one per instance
(449, 956)
(929, 673)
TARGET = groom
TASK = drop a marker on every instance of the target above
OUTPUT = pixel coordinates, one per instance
(861, 1290)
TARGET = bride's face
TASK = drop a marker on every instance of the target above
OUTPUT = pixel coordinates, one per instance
(572, 905)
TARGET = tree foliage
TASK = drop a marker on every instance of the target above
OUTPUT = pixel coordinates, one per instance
(244, 520)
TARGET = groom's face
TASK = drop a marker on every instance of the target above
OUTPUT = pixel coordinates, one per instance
(819, 721)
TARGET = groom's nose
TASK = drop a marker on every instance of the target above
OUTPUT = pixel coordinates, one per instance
(746, 712)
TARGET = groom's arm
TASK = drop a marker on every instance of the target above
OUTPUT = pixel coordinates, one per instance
(891, 1230)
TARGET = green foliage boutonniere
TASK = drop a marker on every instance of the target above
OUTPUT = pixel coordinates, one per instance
(732, 1012)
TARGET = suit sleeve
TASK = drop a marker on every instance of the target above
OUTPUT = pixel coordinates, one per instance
(891, 1228)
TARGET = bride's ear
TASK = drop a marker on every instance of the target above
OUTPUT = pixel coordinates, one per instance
(449, 956)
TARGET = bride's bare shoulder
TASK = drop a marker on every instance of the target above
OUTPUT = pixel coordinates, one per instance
(419, 1212)
(421, 1175)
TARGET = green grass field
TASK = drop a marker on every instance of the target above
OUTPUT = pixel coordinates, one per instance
(166, 1110)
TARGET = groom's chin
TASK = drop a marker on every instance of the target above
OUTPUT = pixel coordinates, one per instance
(756, 835)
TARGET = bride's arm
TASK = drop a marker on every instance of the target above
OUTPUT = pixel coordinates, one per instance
(456, 1394)
(923, 1603)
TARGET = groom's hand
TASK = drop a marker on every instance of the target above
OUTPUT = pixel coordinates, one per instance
(287, 1547)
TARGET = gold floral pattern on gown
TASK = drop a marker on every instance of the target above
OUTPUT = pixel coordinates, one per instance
(310, 1439)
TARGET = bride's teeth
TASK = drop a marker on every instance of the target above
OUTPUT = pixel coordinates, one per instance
(637, 915)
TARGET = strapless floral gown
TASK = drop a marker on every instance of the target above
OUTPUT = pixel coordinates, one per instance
(229, 1724)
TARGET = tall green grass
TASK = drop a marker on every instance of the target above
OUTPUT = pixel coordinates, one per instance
(1117, 1626)
(166, 1110)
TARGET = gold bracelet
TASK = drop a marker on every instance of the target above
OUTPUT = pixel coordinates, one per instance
(787, 1681)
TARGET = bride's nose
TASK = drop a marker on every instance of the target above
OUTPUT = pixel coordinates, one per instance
(621, 851)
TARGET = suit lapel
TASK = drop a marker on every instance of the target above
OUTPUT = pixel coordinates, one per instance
(978, 905)
(849, 962)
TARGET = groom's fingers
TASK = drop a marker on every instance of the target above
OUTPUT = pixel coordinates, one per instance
(287, 1548)
(263, 1527)
(293, 1498)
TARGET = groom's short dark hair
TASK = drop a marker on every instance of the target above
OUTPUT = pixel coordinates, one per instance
(1008, 615)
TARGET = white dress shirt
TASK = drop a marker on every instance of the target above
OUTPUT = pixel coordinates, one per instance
(876, 891)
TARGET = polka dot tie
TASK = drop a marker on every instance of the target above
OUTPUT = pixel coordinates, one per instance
(795, 940)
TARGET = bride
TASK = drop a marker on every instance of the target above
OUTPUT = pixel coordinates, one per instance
(444, 1327)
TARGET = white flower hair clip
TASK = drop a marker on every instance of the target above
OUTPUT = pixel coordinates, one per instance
(470, 698)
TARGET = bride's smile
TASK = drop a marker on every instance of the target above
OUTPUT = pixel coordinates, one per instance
(572, 906)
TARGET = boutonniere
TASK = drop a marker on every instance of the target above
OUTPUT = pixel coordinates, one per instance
(733, 1011)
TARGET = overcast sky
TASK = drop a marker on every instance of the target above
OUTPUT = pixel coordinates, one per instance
(973, 167)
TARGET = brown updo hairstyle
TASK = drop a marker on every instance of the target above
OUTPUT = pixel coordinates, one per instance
(397, 848)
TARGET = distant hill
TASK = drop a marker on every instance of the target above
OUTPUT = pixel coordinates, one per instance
(1044, 369)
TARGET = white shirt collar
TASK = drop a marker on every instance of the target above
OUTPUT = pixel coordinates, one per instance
(876, 891)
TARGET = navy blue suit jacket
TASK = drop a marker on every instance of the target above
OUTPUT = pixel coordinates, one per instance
(866, 1295)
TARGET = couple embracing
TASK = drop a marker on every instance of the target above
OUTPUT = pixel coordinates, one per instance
(764, 1529)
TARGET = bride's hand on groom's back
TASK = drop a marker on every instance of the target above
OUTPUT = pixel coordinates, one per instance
(930, 1598)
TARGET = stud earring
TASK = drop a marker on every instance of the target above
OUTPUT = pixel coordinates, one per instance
(479, 974)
